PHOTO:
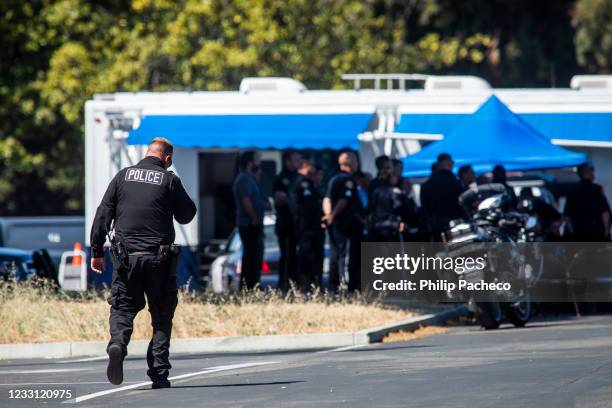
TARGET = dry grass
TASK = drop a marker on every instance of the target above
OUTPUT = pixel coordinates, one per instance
(421, 332)
(31, 314)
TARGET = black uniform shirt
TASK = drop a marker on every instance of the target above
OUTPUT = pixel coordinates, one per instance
(284, 183)
(385, 205)
(342, 186)
(440, 196)
(585, 205)
(142, 200)
(307, 202)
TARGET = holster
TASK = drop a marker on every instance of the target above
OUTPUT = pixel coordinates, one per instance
(170, 253)
(119, 254)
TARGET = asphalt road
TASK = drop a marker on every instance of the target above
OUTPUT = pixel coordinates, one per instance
(554, 363)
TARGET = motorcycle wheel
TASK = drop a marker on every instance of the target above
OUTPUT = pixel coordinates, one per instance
(489, 314)
(519, 313)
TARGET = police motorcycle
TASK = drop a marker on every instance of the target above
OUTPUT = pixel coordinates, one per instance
(500, 235)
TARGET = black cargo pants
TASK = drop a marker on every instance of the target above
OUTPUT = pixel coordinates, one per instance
(345, 255)
(147, 275)
(310, 252)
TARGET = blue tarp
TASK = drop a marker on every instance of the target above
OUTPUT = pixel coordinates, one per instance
(490, 136)
(589, 126)
(315, 131)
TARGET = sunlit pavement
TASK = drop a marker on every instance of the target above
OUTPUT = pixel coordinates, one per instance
(554, 363)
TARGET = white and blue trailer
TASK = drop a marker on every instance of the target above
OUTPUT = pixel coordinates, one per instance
(270, 114)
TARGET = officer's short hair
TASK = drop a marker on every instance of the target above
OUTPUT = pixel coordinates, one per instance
(380, 161)
(287, 155)
(584, 168)
(464, 169)
(444, 156)
(162, 145)
(344, 155)
(396, 162)
(307, 161)
(245, 158)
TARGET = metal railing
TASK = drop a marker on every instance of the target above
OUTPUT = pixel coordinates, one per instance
(389, 79)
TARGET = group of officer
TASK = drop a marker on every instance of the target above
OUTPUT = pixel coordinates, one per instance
(350, 208)
(384, 210)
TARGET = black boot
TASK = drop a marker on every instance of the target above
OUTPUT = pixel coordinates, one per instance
(114, 372)
(161, 384)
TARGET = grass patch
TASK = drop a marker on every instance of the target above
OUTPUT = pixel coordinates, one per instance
(37, 313)
(395, 337)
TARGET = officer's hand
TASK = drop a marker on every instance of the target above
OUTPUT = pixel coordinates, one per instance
(328, 219)
(97, 264)
(402, 227)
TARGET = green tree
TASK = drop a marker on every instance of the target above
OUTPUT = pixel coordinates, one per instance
(593, 22)
(531, 41)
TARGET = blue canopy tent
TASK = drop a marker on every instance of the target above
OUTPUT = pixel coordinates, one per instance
(490, 136)
(280, 131)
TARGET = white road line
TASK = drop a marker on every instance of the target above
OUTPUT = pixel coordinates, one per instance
(176, 377)
(61, 383)
(341, 349)
(82, 360)
(44, 371)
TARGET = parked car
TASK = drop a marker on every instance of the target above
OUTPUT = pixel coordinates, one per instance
(16, 264)
(55, 234)
(23, 265)
(225, 269)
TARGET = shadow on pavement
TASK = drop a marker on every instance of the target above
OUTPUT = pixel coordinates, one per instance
(383, 347)
(232, 385)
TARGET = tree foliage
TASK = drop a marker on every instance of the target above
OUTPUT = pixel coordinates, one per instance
(56, 54)
(593, 21)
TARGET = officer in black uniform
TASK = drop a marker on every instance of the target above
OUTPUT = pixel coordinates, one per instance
(386, 207)
(440, 198)
(588, 209)
(141, 202)
(307, 203)
(285, 230)
(344, 218)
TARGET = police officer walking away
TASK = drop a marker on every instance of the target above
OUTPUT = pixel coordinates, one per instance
(141, 202)
(251, 204)
(310, 235)
(344, 218)
(285, 230)
(588, 209)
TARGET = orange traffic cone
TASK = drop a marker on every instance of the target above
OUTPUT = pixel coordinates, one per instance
(76, 258)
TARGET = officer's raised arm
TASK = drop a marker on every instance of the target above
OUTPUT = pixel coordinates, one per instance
(184, 207)
(105, 214)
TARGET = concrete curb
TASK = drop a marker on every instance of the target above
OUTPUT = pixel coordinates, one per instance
(235, 344)
(436, 319)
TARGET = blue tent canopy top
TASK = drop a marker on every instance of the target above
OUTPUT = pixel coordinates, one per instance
(255, 131)
(493, 135)
(588, 126)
